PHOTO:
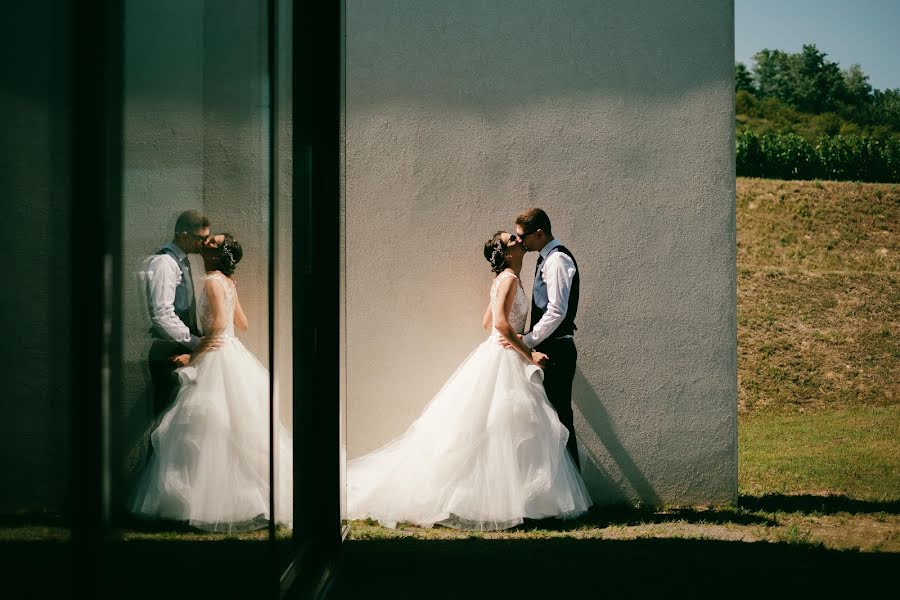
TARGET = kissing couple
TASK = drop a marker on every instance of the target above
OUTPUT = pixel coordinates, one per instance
(209, 455)
(496, 445)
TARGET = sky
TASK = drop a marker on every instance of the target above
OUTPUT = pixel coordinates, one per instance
(848, 31)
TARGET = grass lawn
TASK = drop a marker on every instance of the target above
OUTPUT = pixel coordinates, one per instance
(849, 452)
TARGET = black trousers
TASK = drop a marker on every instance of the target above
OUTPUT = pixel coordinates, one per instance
(162, 373)
(558, 376)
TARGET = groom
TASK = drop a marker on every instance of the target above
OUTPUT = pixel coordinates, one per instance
(554, 303)
(172, 305)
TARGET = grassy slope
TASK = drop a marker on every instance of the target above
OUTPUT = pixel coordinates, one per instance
(819, 337)
(818, 294)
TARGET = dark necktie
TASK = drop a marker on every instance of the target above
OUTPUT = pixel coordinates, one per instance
(537, 267)
(537, 276)
(188, 273)
(189, 287)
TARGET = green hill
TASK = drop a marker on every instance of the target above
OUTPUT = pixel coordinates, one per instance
(819, 338)
(818, 294)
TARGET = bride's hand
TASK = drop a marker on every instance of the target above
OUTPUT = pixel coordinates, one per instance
(505, 342)
(180, 360)
(207, 343)
(539, 358)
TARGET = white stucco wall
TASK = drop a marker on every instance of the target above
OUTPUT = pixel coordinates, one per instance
(614, 116)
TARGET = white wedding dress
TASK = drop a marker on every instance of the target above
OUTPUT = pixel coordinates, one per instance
(486, 453)
(210, 465)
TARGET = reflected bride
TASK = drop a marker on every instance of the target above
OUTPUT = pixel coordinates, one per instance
(210, 462)
(489, 450)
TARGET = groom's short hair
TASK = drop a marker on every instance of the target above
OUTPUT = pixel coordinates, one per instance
(191, 221)
(533, 219)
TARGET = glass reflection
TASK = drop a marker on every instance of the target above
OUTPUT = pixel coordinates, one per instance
(195, 415)
(197, 134)
(209, 453)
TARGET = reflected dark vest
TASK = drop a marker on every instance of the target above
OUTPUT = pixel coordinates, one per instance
(567, 327)
(185, 304)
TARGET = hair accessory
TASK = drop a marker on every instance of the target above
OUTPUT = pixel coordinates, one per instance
(498, 260)
(226, 252)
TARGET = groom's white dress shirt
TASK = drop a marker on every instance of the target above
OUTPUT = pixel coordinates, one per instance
(162, 276)
(551, 290)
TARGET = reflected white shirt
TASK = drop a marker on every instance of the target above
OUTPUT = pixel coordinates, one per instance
(551, 290)
(162, 276)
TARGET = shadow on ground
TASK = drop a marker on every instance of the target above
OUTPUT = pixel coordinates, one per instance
(174, 566)
(824, 505)
(467, 568)
(143, 569)
(751, 510)
(625, 515)
(553, 568)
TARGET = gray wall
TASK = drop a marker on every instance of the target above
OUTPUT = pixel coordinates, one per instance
(614, 116)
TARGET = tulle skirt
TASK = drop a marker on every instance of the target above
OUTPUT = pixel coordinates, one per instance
(210, 461)
(486, 453)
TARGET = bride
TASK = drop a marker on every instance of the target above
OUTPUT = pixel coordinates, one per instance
(488, 451)
(210, 461)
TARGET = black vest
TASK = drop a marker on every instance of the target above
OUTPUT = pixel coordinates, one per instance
(567, 327)
(187, 315)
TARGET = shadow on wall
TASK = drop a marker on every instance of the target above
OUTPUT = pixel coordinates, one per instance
(607, 468)
(136, 420)
(605, 46)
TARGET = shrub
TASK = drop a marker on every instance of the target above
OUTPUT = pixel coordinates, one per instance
(837, 157)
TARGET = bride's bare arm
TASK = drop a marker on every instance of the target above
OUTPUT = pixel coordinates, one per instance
(240, 319)
(488, 318)
(506, 294)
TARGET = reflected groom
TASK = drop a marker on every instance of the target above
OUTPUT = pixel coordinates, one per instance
(171, 301)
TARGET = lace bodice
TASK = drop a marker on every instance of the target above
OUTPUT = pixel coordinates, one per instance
(203, 304)
(519, 310)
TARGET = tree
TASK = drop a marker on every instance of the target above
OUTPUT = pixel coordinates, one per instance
(857, 85)
(771, 71)
(885, 108)
(805, 80)
(743, 80)
(807, 94)
(819, 84)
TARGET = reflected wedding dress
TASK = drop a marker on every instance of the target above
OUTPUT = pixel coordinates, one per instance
(210, 462)
(487, 452)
